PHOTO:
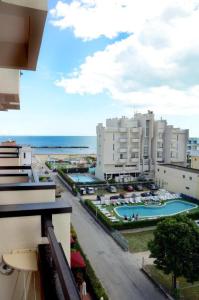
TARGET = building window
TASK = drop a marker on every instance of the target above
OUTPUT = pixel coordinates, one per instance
(121, 155)
(113, 156)
(24, 155)
(118, 166)
(158, 170)
(134, 155)
(190, 178)
(113, 136)
(187, 188)
(113, 147)
(183, 176)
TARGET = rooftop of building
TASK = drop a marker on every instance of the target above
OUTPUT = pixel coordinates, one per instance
(186, 169)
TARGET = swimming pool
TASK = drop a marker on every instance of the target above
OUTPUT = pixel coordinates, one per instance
(82, 178)
(169, 208)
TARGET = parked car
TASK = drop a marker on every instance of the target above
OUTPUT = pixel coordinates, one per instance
(152, 186)
(145, 194)
(153, 193)
(128, 188)
(197, 222)
(114, 197)
(112, 189)
(122, 195)
(138, 187)
(82, 191)
(90, 190)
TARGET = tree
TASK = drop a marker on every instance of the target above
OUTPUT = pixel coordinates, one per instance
(176, 248)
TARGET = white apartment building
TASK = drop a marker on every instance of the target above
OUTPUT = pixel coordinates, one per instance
(128, 147)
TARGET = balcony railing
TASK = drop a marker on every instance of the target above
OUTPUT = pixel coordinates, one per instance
(66, 282)
(122, 150)
(123, 140)
(122, 129)
(122, 160)
(135, 140)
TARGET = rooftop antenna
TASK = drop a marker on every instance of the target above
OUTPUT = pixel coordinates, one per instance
(134, 111)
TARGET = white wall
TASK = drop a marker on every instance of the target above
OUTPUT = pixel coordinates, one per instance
(178, 180)
(13, 179)
(27, 196)
(11, 161)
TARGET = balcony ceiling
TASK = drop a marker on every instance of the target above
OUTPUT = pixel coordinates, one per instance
(21, 29)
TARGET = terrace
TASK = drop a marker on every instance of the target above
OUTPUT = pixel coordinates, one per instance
(25, 270)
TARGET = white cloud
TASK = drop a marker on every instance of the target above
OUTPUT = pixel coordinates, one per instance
(156, 67)
(91, 19)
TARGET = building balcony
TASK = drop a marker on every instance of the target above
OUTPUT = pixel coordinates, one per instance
(122, 129)
(122, 160)
(122, 150)
(135, 160)
(21, 29)
(135, 149)
(135, 140)
(135, 129)
(9, 89)
(123, 140)
(36, 247)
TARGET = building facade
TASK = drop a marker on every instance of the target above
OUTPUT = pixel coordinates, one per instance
(34, 226)
(193, 146)
(128, 147)
(178, 179)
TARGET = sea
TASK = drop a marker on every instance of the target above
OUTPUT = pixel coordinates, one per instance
(56, 141)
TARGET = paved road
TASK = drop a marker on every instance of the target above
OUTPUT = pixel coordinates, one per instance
(118, 271)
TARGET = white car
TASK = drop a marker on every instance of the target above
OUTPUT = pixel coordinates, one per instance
(90, 190)
(197, 222)
(82, 191)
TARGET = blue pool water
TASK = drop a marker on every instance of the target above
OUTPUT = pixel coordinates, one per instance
(82, 178)
(170, 208)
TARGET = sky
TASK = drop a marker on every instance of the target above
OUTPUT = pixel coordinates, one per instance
(110, 58)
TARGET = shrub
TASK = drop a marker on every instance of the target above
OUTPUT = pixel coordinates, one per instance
(48, 164)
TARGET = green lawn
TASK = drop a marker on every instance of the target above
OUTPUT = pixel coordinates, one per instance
(187, 290)
(138, 240)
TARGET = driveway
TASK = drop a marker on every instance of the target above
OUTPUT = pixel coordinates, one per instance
(118, 271)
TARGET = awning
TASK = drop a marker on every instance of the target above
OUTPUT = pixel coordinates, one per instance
(77, 260)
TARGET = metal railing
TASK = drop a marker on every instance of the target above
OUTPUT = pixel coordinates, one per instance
(46, 210)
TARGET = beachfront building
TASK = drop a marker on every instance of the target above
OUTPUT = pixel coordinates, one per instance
(15, 155)
(128, 147)
(193, 146)
(34, 227)
(178, 179)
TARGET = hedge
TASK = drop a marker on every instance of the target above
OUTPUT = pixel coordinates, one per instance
(131, 225)
(94, 282)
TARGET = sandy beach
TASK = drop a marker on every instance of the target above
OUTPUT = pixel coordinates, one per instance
(45, 157)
